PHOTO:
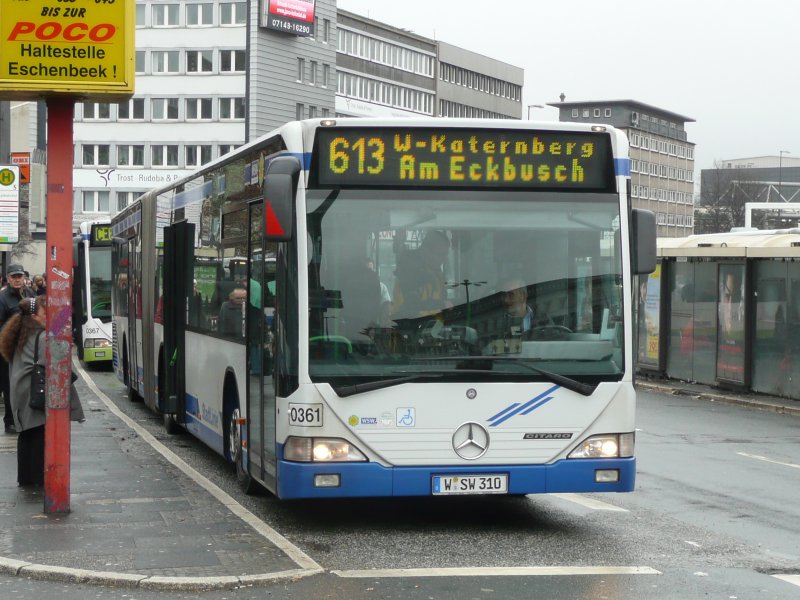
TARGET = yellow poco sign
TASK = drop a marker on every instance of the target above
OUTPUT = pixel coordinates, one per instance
(76, 47)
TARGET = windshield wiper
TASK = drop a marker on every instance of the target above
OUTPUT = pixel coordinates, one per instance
(571, 384)
(359, 388)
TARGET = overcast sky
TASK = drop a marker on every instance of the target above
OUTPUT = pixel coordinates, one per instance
(731, 65)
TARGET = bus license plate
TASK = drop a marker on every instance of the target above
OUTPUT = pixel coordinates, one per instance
(470, 484)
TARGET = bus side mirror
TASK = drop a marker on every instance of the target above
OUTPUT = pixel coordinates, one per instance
(280, 185)
(643, 244)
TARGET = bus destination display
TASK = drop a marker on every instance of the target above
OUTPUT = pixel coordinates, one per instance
(101, 235)
(446, 157)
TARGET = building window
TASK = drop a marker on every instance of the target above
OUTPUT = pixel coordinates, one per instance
(199, 15)
(165, 61)
(96, 110)
(298, 111)
(132, 109)
(165, 108)
(140, 61)
(95, 201)
(140, 15)
(231, 108)
(126, 198)
(130, 156)
(312, 112)
(197, 155)
(326, 75)
(326, 31)
(596, 112)
(232, 13)
(96, 155)
(574, 113)
(165, 15)
(301, 69)
(231, 61)
(164, 155)
(608, 112)
(198, 108)
(225, 148)
(199, 61)
(312, 72)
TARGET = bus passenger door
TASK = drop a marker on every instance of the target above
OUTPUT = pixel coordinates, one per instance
(178, 254)
(134, 315)
(260, 392)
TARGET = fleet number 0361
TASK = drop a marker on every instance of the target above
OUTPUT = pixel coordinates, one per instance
(307, 415)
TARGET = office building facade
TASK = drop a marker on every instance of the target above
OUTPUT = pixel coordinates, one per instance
(662, 157)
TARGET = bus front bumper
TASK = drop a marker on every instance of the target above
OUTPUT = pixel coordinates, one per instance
(96, 354)
(296, 480)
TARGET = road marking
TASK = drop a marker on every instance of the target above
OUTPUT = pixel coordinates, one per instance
(496, 572)
(8, 443)
(695, 544)
(769, 460)
(793, 579)
(292, 551)
(587, 502)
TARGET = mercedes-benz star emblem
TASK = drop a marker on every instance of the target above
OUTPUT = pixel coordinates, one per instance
(471, 441)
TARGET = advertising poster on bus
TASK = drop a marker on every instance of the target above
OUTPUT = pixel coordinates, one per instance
(290, 16)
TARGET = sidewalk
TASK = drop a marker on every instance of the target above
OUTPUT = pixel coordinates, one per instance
(135, 520)
(705, 392)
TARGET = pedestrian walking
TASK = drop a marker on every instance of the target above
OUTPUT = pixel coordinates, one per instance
(10, 297)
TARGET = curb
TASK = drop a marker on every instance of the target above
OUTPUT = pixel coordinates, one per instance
(10, 566)
(765, 405)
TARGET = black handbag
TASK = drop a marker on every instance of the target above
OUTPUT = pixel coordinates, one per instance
(38, 381)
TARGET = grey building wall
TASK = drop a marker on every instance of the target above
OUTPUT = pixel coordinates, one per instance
(662, 158)
(279, 88)
(486, 95)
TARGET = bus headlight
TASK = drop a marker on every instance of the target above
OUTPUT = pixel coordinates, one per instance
(96, 343)
(303, 449)
(616, 445)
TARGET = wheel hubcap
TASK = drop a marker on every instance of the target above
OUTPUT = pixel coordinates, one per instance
(233, 434)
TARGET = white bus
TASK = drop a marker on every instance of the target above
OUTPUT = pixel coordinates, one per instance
(91, 292)
(370, 347)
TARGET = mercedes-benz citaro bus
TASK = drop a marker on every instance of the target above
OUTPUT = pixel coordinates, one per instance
(426, 307)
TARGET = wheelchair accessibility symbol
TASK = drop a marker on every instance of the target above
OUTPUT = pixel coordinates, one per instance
(406, 417)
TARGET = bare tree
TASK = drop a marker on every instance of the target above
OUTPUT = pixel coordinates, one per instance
(723, 195)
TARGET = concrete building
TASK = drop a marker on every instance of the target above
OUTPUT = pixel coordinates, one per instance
(384, 71)
(662, 157)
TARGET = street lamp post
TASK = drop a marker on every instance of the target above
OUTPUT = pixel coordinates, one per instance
(530, 106)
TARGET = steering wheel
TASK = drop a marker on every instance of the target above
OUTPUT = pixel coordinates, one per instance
(550, 332)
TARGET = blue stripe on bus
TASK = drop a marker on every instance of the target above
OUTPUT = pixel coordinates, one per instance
(516, 408)
(204, 433)
(296, 480)
(622, 167)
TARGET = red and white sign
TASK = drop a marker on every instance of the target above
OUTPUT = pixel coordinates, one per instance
(290, 16)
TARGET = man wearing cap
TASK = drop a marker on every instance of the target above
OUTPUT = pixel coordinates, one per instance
(9, 305)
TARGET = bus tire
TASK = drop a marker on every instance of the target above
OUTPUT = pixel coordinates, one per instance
(235, 450)
(171, 426)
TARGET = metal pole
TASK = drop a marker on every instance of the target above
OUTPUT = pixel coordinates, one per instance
(59, 300)
(780, 173)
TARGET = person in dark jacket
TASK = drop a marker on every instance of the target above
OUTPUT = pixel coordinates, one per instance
(10, 297)
(18, 346)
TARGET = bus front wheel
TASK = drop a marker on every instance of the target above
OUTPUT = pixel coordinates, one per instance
(236, 454)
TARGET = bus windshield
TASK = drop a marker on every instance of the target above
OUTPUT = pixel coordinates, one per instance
(100, 283)
(487, 285)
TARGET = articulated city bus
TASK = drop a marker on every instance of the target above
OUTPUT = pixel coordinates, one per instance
(426, 307)
(91, 292)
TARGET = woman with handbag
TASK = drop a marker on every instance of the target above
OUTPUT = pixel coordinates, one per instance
(20, 339)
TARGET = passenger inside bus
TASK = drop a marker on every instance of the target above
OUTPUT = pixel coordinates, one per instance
(420, 288)
(231, 313)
